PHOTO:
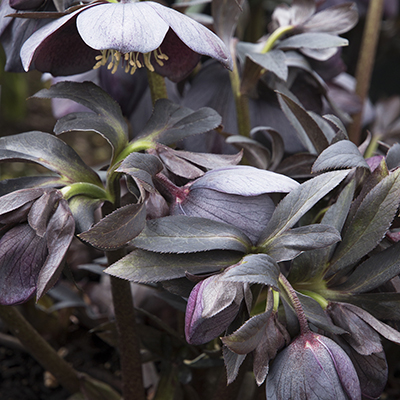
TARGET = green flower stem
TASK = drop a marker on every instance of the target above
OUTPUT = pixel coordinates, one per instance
(276, 300)
(40, 349)
(128, 339)
(276, 35)
(241, 101)
(317, 297)
(304, 328)
(85, 188)
(135, 146)
(157, 86)
(365, 63)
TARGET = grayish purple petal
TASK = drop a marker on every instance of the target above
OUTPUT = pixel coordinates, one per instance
(126, 27)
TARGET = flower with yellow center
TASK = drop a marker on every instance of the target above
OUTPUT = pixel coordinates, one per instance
(130, 34)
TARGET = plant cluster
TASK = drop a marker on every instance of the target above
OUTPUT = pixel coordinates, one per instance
(233, 191)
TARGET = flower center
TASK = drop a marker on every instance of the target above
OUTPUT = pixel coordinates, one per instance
(129, 60)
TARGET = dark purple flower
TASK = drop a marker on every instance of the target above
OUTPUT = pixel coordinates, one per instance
(212, 305)
(313, 367)
(15, 31)
(36, 229)
(134, 34)
(237, 195)
(303, 18)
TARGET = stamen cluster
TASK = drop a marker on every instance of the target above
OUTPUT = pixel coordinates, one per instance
(130, 60)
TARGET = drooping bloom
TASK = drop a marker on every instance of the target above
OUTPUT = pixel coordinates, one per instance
(133, 34)
(36, 229)
(212, 305)
(313, 367)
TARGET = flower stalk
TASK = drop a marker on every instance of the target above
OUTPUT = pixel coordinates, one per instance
(365, 63)
(128, 340)
(158, 88)
(304, 328)
(40, 349)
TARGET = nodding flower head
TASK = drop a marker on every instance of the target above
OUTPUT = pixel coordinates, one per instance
(313, 367)
(131, 34)
(36, 229)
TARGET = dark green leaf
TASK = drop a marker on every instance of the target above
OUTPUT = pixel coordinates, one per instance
(145, 266)
(248, 336)
(385, 330)
(393, 156)
(170, 122)
(369, 224)
(298, 202)
(340, 155)
(93, 389)
(255, 268)
(310, 263)
(309, 132)
(142, 168)
(316, 315)
(182, 234)
(245, 339)
(206, 160)
(12, 185)
(312, 40)
(91, 96)
(49, 151)
(118, 228)
(226, 14)
(266, 133)
(378, 269)
(233, 362)
(90, 122)
(83, 209)
(256, 154)
(385, 306)
(273, 61)
(291, 243)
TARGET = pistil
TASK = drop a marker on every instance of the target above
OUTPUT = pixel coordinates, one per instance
(130, 60)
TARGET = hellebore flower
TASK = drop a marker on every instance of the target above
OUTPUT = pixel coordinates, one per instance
(134, 34)
(212, 305)
(236, 195)
(313, 367)
(302, 16)
(15, 31)
(36, 229)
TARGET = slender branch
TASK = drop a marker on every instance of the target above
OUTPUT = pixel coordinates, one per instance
(40, 349)
(131, 365)
(158, 88)
(366, 62)
(128, 339)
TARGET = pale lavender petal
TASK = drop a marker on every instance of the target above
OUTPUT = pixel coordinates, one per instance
(59, 234)
(57, 48)
(244, 180)
(126, 27)
(335, 20)
(196, 36)
(22, 254)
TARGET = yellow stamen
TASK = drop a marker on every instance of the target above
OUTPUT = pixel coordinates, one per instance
(130, 60)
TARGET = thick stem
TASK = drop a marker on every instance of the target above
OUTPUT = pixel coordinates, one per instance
(241, 101)
(40, 349)
(304, 328)
(131, 365)
(366, 62)
(128, 339)
(158, 88)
